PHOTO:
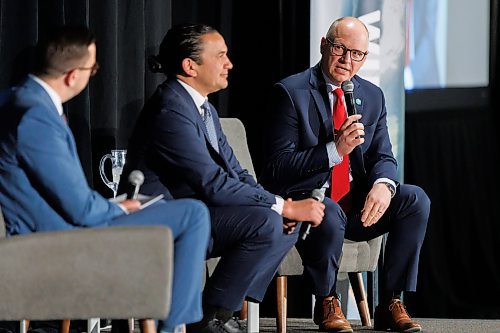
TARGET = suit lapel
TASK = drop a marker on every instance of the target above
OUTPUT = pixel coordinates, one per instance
(357, 154)
(195, 114)
(320, 98)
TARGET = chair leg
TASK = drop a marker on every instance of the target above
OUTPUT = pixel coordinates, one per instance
(281, 301)
(147, 326)
(244, 310)
(94, 325)
(253, 320)
(24, 325)
(358, 288)
(65, 326)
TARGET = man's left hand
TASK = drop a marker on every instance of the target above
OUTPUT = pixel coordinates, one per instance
(289, 226)
(376, 203)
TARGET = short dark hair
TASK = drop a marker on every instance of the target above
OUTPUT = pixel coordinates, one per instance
(62, 49)
(181, 41)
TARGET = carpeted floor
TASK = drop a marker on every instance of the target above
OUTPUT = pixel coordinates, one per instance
(428, 325)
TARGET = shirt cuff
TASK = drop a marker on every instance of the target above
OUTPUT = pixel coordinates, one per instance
(333, 155)
(387, 181)
(123, 208)
(278, 206)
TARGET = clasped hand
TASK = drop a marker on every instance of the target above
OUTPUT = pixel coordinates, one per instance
(349, 135)
(307, 210)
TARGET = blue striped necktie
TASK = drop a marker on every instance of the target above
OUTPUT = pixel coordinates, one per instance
(209, 124)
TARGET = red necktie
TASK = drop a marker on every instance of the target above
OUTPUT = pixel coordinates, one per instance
(340, 172)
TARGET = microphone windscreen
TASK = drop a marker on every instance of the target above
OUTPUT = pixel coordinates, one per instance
(318, 194)
(136, 178)
(347, 87)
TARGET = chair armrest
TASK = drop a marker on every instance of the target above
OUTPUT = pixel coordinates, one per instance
(118, 272)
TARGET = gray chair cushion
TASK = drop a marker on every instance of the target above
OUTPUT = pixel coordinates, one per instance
(356, 257)
(119, 272)
(292, 264)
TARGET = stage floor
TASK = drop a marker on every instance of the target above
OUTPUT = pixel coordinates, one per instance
(428, 325)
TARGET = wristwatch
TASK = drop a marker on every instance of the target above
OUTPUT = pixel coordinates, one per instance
(391, 188)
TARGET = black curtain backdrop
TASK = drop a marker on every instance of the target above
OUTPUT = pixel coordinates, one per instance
(452, 154)
(102, 116)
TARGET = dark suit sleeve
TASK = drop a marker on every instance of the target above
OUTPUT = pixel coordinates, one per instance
(180, 143)
(378, 158)
(243, 174)
(289, 161)
(46, 153)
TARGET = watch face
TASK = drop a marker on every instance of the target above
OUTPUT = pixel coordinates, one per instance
(391, 188)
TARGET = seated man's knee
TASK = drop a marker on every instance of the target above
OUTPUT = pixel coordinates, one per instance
(417, 197)
(199, 214)
(333, 212)
(271, 225)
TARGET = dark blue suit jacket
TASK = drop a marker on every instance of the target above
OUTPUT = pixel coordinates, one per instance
(301, 125)
(42, 184)
(170, 145)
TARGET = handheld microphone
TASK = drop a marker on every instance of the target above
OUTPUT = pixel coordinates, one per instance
(348, 89)
(317, 194)
(135, 179)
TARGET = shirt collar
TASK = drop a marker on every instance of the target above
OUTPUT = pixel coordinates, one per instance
(54, 96)
(198, 98)
(329, 84)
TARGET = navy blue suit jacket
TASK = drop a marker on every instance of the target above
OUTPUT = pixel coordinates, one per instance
(42, 183)
(170, 145)
(301, 125)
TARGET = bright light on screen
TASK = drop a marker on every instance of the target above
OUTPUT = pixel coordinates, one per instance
(447, 44)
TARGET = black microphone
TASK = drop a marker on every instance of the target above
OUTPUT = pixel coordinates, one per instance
(317, 194)
(135, 179)
(348, 89)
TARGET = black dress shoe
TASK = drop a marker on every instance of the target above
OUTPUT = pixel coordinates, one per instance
(217, 326)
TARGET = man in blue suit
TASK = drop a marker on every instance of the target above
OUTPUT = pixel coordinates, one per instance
(367, 200)
(42, 184)
(179, 145)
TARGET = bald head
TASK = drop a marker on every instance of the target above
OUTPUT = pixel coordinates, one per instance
(348, 26)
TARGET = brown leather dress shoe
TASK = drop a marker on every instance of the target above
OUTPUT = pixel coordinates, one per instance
(329, 316)
(394, 317)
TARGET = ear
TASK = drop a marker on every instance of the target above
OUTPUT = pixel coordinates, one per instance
(70, 78)
(189, 66)
(322, 45)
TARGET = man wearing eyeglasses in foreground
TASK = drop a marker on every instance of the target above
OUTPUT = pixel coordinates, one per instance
(42, 185)
(364, 199)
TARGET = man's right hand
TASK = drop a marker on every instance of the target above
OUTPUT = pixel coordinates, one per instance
(131, 205)
(307, 210)
(349, 135)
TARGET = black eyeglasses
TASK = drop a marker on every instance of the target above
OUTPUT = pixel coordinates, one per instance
(340, 50)
(93, 70)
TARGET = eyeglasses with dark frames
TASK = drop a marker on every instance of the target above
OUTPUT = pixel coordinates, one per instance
(338, 49)
(93, 70)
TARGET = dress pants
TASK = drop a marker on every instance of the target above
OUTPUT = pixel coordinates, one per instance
(189, 221)
(251, 244)
(405, 221)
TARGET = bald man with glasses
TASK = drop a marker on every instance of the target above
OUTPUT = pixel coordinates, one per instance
(312, 143)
